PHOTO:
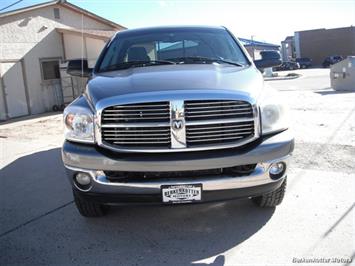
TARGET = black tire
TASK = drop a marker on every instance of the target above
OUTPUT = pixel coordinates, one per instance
(273, 198)
(89, 208)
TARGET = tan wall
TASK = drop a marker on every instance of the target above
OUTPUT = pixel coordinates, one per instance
(318, 44)
(86, 47)
(31, 35)
(93, 49)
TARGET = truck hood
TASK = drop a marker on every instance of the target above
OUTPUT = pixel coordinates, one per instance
(182, 81)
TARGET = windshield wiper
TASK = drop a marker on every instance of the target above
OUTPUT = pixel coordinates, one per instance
(196, 59)
(229, 62)
(129, 64)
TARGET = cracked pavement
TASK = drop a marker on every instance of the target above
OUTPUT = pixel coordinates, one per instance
(39, 224)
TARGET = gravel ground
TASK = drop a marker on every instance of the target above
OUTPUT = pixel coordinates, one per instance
(39, 224)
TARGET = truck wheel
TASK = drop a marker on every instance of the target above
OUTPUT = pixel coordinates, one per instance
(89, 208)
(273, 198)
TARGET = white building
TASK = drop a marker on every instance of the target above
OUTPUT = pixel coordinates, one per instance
(34, 41)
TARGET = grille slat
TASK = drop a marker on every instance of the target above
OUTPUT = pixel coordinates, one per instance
(143, 131)
(135, 135)
(134, 110)
(220, 135)
(232, 131)
(136, 143)
(135, 138)
(220, 114)
(213, 102)
(214, 111)
(215, 139)
(147, 105)
(215, 106)
(139, 115)
(133, 118)
(212, 127)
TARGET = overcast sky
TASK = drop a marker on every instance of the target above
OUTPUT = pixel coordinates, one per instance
(269, 21)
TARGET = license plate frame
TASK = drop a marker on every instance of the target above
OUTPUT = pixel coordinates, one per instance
(181, 193)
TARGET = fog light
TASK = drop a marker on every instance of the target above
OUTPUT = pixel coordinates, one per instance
(277, 170)
(83, 179)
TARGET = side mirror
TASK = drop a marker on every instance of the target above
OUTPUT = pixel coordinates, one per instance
(268, 59)
(79, 68)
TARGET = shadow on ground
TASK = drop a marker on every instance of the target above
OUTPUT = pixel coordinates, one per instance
(40, 225)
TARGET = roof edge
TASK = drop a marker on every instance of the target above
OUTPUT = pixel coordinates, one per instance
(28, 8)
(65, 4)
(90, 14)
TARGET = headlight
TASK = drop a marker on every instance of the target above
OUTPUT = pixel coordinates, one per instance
(79, 124)
(273, 112)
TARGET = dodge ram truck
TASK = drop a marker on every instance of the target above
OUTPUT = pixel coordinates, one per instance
(174, 115)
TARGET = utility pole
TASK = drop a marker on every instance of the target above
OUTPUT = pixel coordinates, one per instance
(252, 46)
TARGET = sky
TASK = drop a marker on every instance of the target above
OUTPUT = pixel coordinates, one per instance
(265, 20)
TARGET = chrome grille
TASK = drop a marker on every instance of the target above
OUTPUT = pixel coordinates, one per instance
(217, 109)
(220, 122)
(142, 112)
(150, 127)
(219, 133)
(136, 125)
(128, 136)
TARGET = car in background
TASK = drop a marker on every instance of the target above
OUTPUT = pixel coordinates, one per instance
(331, 60)
(288, 65)
(304, 62)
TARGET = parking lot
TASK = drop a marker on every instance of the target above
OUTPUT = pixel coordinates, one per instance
(39, 224)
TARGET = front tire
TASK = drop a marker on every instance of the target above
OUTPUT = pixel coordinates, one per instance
(273, 198)
(89, 208)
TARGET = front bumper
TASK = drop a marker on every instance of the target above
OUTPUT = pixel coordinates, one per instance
(93, 160)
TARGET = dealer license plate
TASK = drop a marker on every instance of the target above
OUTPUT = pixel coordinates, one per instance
(181, 193)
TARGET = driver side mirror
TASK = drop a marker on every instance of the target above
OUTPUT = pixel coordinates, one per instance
(268, 59)
(79, 68)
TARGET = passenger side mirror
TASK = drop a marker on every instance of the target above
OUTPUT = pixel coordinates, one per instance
(268, 59)
(79, 68)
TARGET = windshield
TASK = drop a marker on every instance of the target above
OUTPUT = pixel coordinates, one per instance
(190, 47)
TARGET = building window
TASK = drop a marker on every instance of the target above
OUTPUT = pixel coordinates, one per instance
(50, 70)
(56, 13)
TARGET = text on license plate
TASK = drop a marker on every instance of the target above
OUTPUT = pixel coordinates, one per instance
(181, 193)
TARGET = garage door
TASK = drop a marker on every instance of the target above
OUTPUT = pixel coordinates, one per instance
(14, 88)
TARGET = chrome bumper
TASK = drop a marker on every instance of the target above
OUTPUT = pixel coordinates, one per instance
(101, 184)
(94, 161)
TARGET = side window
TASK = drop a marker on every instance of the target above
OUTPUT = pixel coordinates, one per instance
(166, 50)
(147, 48)
(111, 56)
(50, 69)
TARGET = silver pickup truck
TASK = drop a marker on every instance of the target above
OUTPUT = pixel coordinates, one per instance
(175, 115)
